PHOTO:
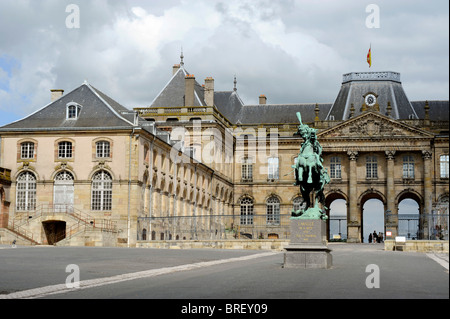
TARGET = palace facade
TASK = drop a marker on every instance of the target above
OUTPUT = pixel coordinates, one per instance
(198, 163)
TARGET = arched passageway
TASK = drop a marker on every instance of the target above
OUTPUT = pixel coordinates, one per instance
(336, 203)
(409, 219)
(373, 219)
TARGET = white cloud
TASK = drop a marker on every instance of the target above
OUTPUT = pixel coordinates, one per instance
(292, 51)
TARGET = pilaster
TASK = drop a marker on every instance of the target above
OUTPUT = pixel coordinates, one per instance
(354, 218)
(391, 218)
(427, 187)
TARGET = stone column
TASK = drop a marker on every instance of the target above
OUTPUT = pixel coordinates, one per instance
(428, 190)
(392, 219)
(354, 218)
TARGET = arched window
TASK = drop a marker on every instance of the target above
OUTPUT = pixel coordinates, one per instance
(26, 192)
(273, 211)
(297, 204)
(63, 191)
(246, 211)
(101, 195)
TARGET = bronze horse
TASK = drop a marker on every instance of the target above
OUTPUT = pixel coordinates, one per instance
(309, 171)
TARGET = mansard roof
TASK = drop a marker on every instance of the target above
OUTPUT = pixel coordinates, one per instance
(385, 85)
(97, 110)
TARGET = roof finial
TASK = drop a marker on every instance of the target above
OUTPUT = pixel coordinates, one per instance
(235, 82)
(181, 57)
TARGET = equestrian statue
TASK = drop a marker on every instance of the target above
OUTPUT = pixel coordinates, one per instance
(310, 175)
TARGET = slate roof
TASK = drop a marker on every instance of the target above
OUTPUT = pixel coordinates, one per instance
(386, 85)
(229, 104)
(388, 89)
(281, 113)
(172, 95)
(97, 111)
(439, 110)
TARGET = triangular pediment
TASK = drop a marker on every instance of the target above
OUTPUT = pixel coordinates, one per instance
(373, 125)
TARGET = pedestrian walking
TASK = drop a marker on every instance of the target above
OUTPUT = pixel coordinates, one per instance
(370, 238)
(380, 237)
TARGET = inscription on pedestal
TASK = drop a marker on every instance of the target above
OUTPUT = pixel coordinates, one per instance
(308, 245)
(311, 231)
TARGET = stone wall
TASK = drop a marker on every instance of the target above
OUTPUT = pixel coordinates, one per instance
(418, 245)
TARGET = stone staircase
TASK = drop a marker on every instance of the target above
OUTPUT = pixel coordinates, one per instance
(77, 221)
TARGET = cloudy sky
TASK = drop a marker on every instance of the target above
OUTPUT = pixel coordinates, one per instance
(293, 51)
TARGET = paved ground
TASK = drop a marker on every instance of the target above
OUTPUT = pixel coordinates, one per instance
(197, 274)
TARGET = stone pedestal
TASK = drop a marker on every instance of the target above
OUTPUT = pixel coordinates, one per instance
(308, 245)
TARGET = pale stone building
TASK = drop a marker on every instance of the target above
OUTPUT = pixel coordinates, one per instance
(198, 163)
(83, 169)
(376, 144)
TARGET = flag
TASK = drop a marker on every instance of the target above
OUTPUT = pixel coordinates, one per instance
(369, 57)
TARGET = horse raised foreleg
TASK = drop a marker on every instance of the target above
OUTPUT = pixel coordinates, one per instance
(309, 175)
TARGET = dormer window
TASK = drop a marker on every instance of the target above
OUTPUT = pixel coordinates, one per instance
(73, 111)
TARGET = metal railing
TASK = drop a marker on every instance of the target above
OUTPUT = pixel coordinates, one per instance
(206, 227)
(82, 221)
(423, 226)
(337, 227)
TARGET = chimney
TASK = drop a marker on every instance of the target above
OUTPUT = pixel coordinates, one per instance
(175, 68)
(426, 120)
(262, 99)
(209, 91)
(189, 90)
(56, 94)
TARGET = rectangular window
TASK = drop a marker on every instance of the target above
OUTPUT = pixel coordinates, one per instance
(371, 167)
(65, 150)
(27, 150)
(73, 111)
(247, 170)
(444, 165)
(103, 149)
(273, 168)
(335, 167)
(408, 166)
